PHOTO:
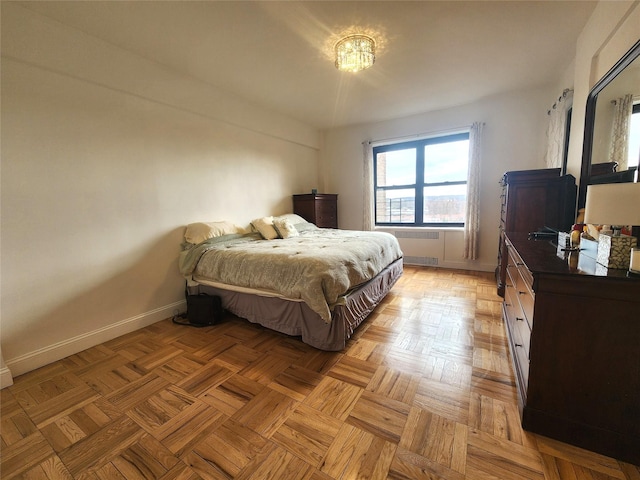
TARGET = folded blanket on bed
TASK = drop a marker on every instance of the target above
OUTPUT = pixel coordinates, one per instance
(318, 266)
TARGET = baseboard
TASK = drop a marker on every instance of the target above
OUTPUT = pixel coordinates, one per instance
(462, 265)
(469, 265)
(52, 353)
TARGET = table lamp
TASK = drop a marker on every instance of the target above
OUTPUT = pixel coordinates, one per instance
(615, 204)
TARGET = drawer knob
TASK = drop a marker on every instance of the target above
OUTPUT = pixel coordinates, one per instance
(519, 345)
(507, 304)
(522, 293)
(519, 264)
(519, 319)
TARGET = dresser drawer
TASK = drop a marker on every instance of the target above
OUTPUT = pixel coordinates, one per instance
(525, 296)
(519, 353)
(522, 364)
(511, 306)
(523, 282)
(511, 296)
(328, 221)
(327, 213)
(516, 319)
(525, 334)
(327, 207)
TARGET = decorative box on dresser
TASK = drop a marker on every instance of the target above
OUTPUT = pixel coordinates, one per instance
(318, 208)
(574, 340)
(530, 201)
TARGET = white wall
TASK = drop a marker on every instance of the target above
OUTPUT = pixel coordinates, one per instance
(105, 158)
(612, 29)
(514, 139)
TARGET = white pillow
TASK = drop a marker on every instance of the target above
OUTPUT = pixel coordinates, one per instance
(292, 217)
(285, 228)
(264, 225)
(200, 231)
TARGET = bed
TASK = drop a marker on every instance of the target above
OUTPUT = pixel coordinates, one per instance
(291, 276)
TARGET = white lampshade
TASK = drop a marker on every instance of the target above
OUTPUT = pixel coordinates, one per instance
(613, 204)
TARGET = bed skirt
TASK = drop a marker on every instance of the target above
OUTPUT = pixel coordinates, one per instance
(297, 319)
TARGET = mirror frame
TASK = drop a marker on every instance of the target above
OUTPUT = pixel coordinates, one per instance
(590, 117)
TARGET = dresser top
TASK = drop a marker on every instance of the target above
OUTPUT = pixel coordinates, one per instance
(541, 257)
(312, 196)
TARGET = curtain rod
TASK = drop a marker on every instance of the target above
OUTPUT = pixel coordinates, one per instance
(633, 99)
(420, 135)
(565, 92)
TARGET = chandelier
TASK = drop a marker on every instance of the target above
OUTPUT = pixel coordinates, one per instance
(355, 53)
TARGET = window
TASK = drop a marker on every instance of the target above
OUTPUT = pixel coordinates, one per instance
(422, 182)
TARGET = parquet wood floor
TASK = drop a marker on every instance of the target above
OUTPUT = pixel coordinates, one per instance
(424, 390)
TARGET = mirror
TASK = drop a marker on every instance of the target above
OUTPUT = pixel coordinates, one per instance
(622, 79)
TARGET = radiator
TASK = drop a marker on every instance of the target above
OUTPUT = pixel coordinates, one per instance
(430, 235)
(421, 247)
(425, 261)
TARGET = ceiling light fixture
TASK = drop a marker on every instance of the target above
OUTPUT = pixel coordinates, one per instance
(355, 53)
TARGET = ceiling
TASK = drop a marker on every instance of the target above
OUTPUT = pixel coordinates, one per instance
(431, 55)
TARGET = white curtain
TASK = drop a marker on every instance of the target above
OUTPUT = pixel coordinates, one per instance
(619, 151)
(557, 129)
(367, 201)
(472, 220)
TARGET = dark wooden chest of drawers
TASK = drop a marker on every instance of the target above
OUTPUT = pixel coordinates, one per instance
(532, 200)
(318, 208)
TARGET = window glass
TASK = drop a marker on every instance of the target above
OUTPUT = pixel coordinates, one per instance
(395, 206)
(445, 204)
(396, 167)
(446, 162)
